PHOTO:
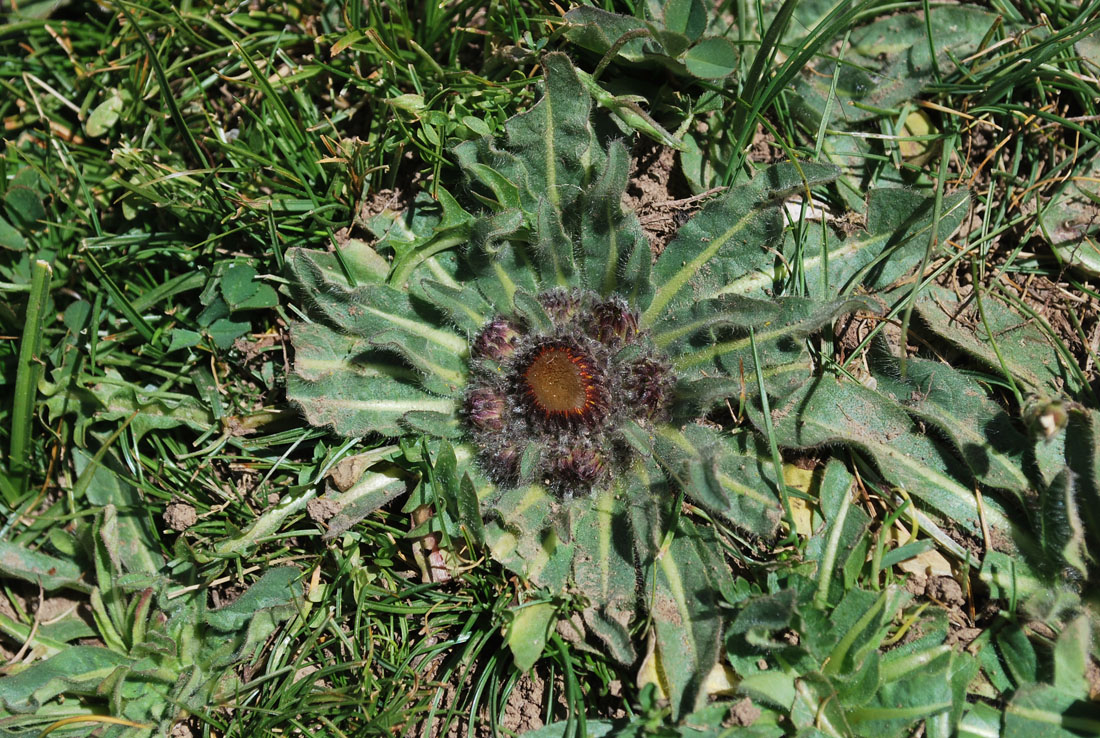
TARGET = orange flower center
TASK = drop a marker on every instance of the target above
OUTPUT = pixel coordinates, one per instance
(559, 380)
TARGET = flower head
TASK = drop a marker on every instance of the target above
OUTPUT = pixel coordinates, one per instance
(563, 392)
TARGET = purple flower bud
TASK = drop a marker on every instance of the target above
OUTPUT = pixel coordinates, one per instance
(504, 464)
(613, 323)
(485, 408)
(497, 340)
(579, 467)
(560, 305)
(565, 391)
(649, 386)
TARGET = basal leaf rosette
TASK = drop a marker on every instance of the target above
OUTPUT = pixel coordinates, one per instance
(566, 374)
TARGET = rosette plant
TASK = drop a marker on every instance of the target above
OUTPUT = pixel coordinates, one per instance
(578, 390)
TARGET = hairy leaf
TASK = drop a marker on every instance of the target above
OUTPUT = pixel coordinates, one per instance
(373, 490)
(734, 235)
(957, 404)
(827, 411)
(337, 383)
(77, 670)
(1028, 353)
(132, 535)
(715, 335)
(1045, 711)
(40, 568)
(730, 477)
(684, 606)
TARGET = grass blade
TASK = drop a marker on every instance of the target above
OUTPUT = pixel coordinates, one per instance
(28, 370)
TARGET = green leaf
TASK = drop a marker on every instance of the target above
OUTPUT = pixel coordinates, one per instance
(387, 319)
(76, 670)
(468, 508)
(264, 297)
(1018, 654)
(981, 720)
(546, 150)
(712, 57)
(896, 236)
(10, 238)
(687, 17)
(1071, 657)
(826, 411)
(504, 193)
(815, 703)
(597, 30)
(898, 230)
(25, 207)
(553, 246)
(1043, 711)
(1082, 454)
(1068, 221)
(847, 526)
(354, 263)
(922, 694)
(715, 334)
(1010, 577)
(561, 729)
(335, 384)
(132, 537)
(531, 311)
(982, 432)
(152, 412)
(628, 113)
(373, 490)
(609, 238)
(263, 526)
(39, 568)
(1028, 353)
(731, 236)
(1060, 534)
(237, 285)
(527, 632)
(728, 476)
(476, 125)
(439, 425)
(603, 567)
(223, 332)
(463, 305)
(28, 372)
(104, 116)
(901, 55)
(183, 338)
(684, 607)
(431, 227)
(277, 589)
(520, 532)
(887, 64)
(585, 545)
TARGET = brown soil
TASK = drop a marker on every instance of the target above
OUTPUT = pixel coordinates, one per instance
(764, 149)
(179, 516)
(945, 591)
(181, 730)
(523, 711)
(658, 193)
(321, 509)
(742, 714)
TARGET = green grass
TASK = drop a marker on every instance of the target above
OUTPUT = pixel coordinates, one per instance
(161, 159)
